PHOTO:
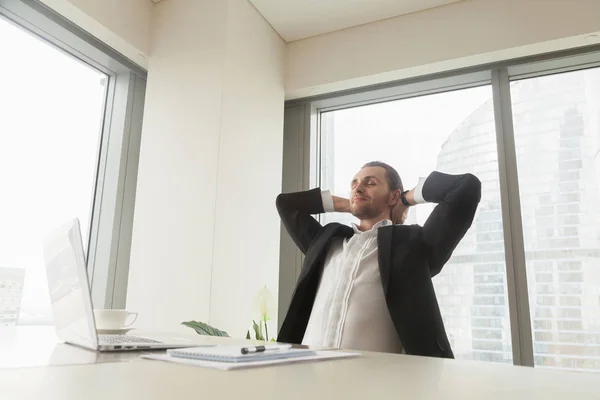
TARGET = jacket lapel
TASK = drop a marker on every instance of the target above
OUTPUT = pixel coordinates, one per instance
(392, 242)
(318, 251)
(384, 243)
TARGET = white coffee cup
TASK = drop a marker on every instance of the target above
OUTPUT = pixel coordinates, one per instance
(113, 319)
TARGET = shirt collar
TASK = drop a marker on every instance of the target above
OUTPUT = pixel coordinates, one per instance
(385, 222)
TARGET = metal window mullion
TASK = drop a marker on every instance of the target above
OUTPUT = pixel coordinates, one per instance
(394, 92)
(312, 139)
(298, 157)
(100, 174)
(311, 150)
(109, 194)
(518, 295)
(123, 228)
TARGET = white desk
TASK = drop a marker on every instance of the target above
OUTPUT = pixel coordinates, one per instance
(38, 346)
(373, 376)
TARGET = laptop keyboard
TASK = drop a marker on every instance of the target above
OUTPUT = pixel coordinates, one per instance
(120, 339)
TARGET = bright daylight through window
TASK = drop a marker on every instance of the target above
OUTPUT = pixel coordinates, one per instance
(50, 126)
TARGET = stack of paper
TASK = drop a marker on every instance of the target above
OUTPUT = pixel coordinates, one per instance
(231, 357)
(236, 353)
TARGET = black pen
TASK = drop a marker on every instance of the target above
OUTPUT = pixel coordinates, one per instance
(260, 349)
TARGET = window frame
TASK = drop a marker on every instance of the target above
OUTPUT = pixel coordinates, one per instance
(302, 117)
(111, 224)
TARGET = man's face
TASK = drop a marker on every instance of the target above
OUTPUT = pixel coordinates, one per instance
(370, 196)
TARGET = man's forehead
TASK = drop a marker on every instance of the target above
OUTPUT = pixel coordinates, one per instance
(377, 172)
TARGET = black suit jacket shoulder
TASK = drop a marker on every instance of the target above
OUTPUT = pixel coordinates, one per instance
(296, 210)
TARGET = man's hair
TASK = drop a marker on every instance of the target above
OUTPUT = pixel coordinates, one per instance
(393, 178)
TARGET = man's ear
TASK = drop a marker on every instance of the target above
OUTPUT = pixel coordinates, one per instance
(394, 197)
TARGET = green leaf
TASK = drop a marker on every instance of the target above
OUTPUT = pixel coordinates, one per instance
(260, 329)
(273, 340)
(257, 331)
(204, 329)
(248, 335)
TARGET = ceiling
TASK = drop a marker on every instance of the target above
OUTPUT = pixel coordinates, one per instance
(299, 19)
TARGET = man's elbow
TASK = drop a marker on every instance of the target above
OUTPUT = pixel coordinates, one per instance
(280, 201)
(471, 189)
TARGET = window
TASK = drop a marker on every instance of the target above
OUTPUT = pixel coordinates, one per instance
(451, 132)
(560, 197)
(49, 146)
(70, 126)
(530, 130)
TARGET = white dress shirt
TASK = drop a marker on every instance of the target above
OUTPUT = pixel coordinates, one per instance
(350, 311)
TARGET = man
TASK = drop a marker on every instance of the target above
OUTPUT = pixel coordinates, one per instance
(368, 287)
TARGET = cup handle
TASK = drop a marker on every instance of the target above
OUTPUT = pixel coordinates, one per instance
(135, 315)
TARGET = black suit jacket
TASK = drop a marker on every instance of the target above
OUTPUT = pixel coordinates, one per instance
(409, 256)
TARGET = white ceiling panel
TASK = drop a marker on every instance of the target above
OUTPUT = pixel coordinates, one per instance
(299, 19)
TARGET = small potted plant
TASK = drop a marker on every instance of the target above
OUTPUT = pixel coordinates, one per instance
(263, 307)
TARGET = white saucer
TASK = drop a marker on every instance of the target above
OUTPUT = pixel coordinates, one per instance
(121, 331)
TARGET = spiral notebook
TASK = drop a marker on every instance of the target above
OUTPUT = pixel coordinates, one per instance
(233, 354)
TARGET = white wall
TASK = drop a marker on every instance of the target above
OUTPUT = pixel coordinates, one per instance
(458, 35)
(125, 25)
(171, 253)
(206, 233)
(246, 250)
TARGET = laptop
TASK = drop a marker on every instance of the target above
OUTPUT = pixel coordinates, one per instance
(72, 301)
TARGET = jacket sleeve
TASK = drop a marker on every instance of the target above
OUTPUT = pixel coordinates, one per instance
(296, 210)
(457, 198)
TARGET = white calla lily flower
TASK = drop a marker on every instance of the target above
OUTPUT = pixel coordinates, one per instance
(263, 305)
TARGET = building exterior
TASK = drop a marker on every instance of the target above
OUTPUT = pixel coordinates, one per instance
(11, 293)
(557, 135)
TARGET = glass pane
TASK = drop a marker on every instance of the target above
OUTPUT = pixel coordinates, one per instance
(51, 108)
(557, 137)
(451, 132)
